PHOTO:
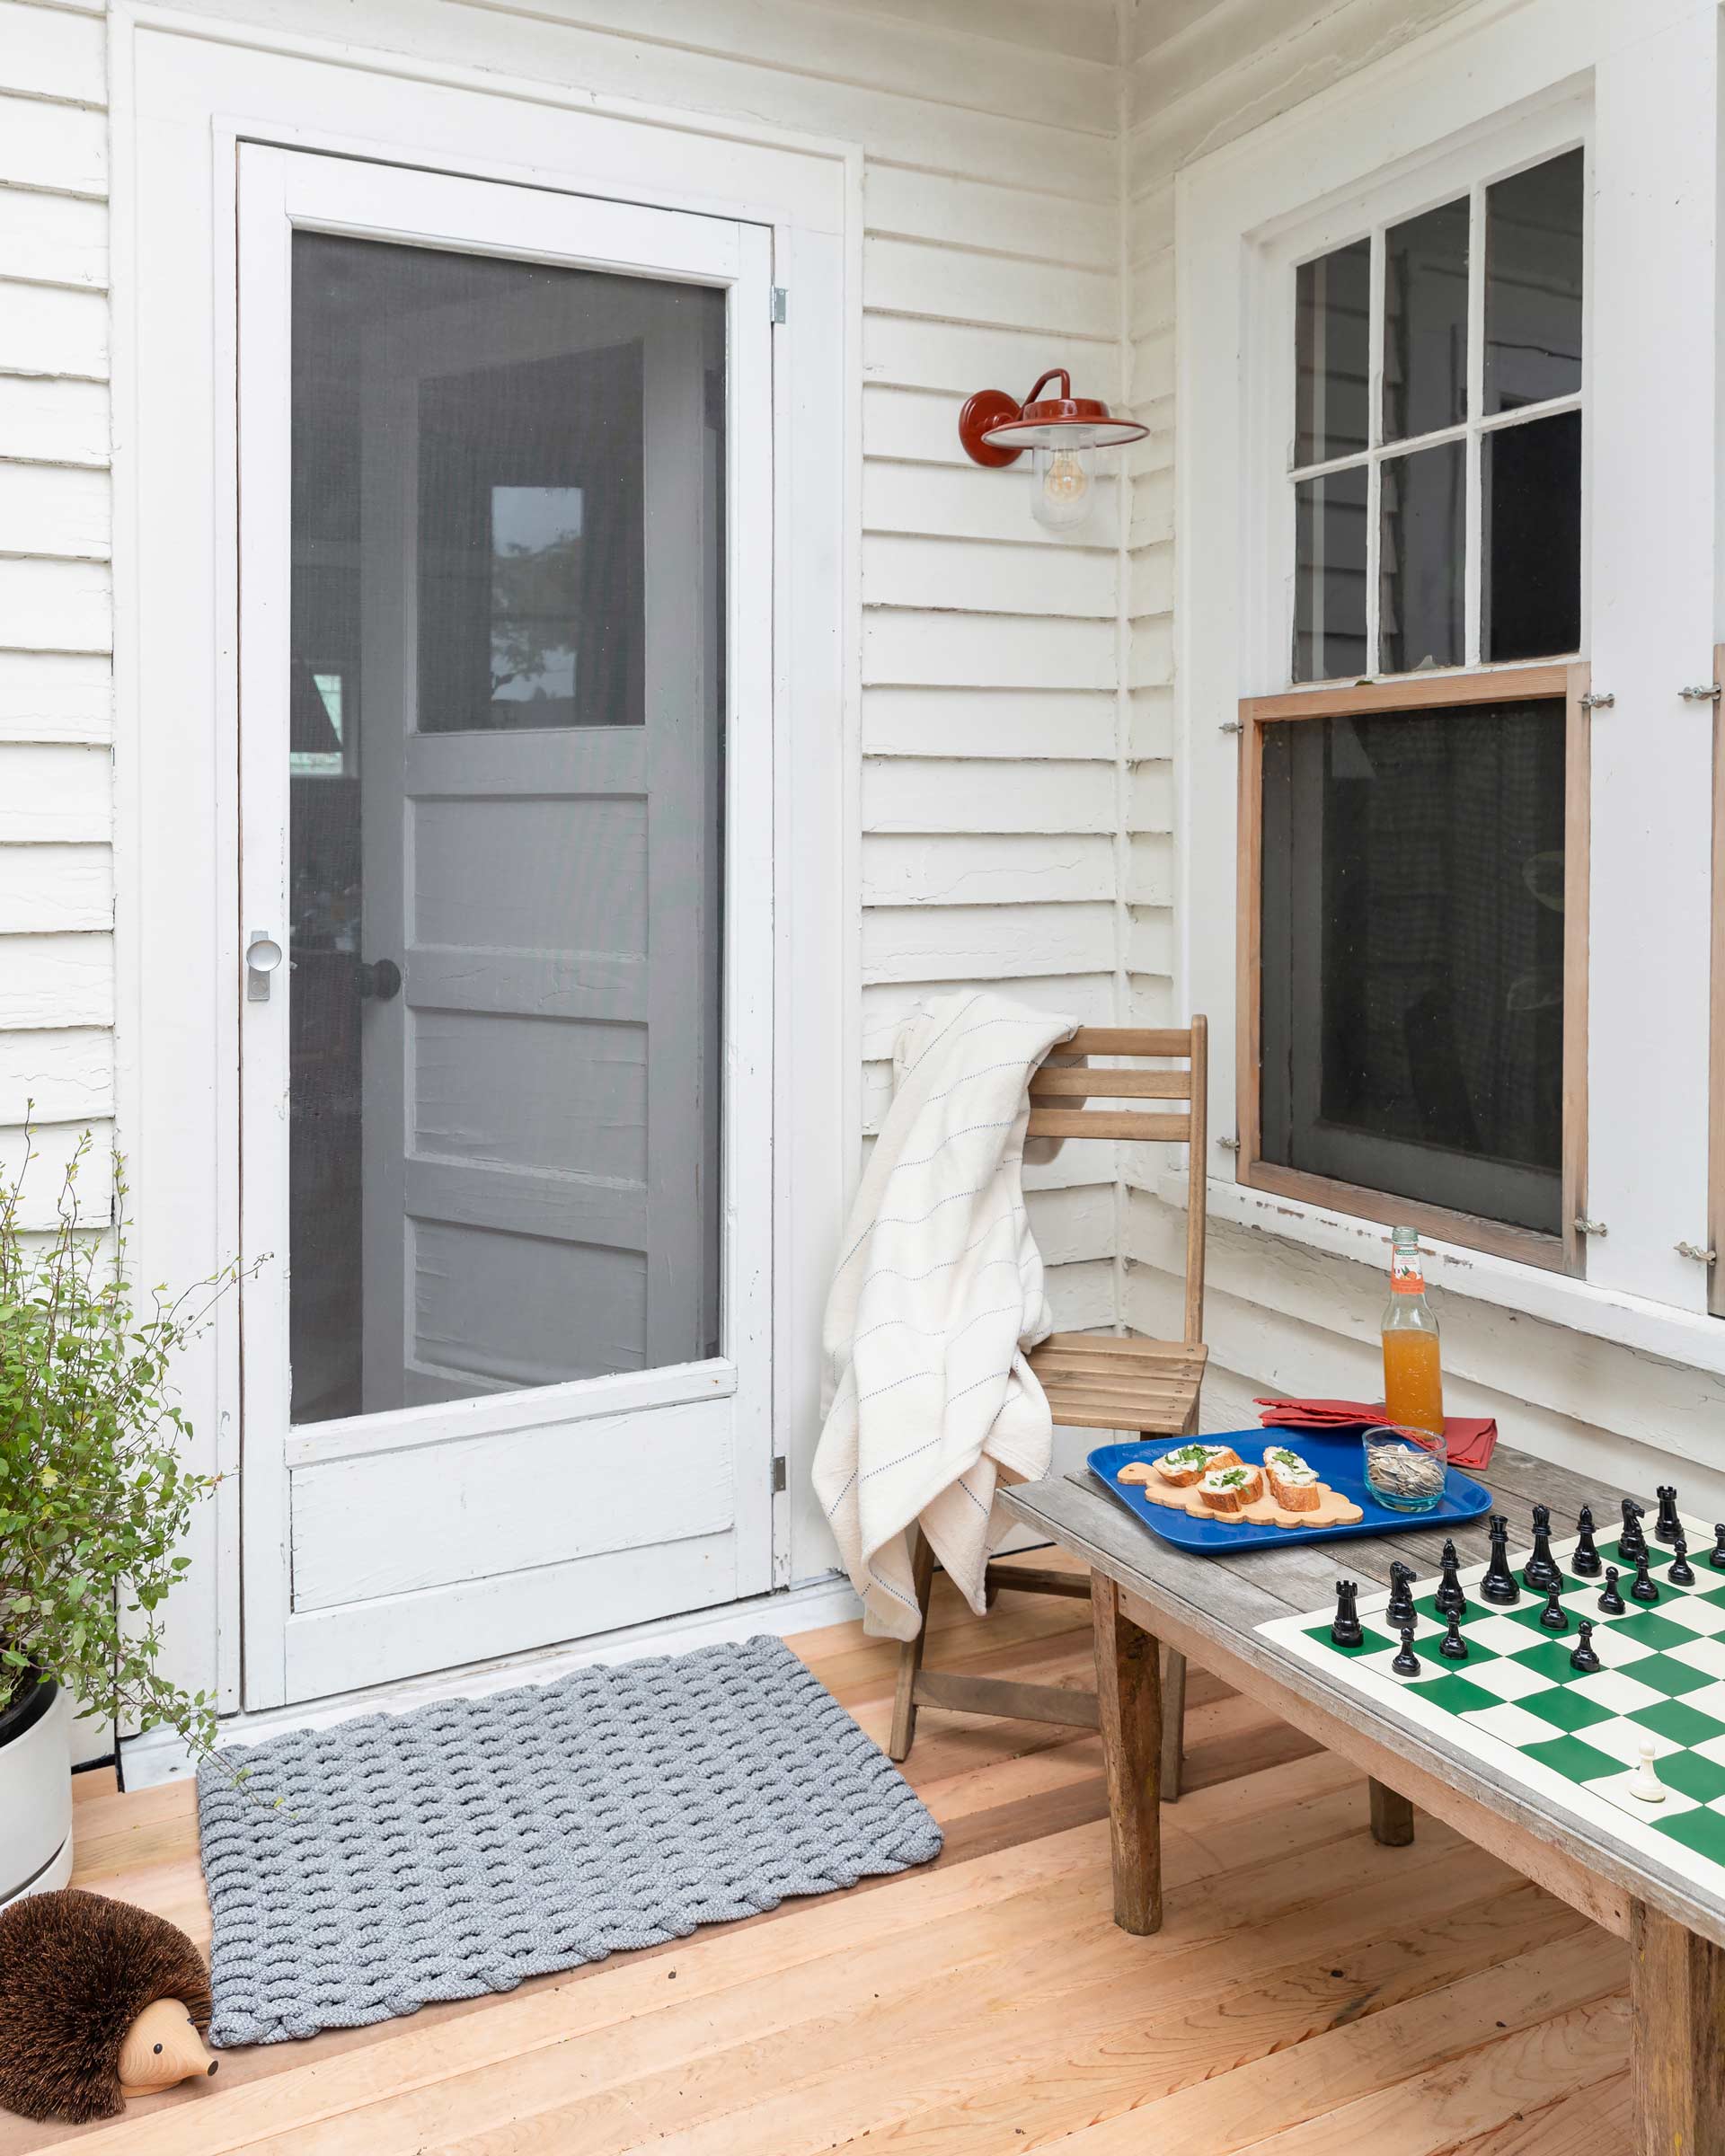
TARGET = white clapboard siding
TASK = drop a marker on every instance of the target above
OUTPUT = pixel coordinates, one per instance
(54, 887)
(53, 421)
(50, 606)
(1086, 998)
(969, 501)
(53, 793)
(909, 353)
(63, 1075)
(50, 52)
(912, 647)
(55, 696)
(55, 509)
(45, 330)
(53, 146)
(57, 980)
(927, 794)
(997, 870)
(53, 239)
(973, 576)
(1034, 726)
(976, 943)
(53, 1150)
(1002, 220)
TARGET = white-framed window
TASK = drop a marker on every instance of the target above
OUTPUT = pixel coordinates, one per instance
(1622, 863)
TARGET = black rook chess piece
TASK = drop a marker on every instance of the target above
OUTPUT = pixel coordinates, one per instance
(1680, 1572)
(1399, 1609)
(1540, 1572)
(1407, 1664)
(1584, 1658)
(1449, 1599)
(1642, 1587)
(1345, 1630)
(1584, 1559)
(1553, 1617)
(1667, 1527)
(1499, 1584)
(1610, 1601)
(1716, 1555)
(1452, 1647)
(1631, 1543)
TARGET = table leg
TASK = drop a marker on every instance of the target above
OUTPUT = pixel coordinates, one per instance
(1392, 1817)
(1173, 1724)
(1676, 2000)
(1128, 1694)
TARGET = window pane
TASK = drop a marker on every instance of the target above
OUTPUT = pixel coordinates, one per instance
(1425, 322)
(1533, 285)
(1330, 576)
(506, 719)
(1332, 312)
(1413, 943)
(1530, 481)
(1422, 542)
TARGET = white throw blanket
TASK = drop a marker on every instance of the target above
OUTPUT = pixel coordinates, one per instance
(937, 1293)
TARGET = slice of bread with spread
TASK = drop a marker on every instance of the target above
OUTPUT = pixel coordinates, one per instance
(1226, 1491)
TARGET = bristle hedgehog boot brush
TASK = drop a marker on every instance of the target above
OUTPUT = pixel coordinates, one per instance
(98, 2002)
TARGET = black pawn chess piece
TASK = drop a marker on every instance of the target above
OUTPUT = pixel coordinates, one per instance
(1452, 1647)
(1398, 1610)
(1667, 1527)
(1610, 1601)
(1345, 1630)
(1631, 1543)
(1449, 1599)
(1584, 1559)
(1407, 1664)
(1499, 1584)
(1716, 1555)
(1584, 1657)
(1642, 1587)
(1680, 1572)
(1540, 1573)
(1553, 1617)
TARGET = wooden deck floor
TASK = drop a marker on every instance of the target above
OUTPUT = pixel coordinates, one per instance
(1311, 1992)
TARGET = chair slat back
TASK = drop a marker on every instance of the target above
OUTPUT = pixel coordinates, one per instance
(1054, 1113)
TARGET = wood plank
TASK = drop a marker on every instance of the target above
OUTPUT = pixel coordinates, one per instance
(999, 1695)
(1676, 1992)
(1102, 1084)
(1410, 692)
(1129, 1691)
(1109, 1123)
(1128, 1040)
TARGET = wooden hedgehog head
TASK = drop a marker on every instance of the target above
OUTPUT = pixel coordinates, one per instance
(98, 2002)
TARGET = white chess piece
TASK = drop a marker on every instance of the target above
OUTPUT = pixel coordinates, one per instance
(1645, 1784)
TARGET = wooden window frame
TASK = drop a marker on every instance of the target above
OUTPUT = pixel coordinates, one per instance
(1716, 1014)
(1454, 692)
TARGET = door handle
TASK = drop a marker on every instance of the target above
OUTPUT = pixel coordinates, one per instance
(263, 956)
(380, 980)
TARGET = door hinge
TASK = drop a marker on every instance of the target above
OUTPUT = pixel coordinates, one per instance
(781, 1471)
(780, 297)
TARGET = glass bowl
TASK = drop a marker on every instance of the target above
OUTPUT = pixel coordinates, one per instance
(1405, 1468)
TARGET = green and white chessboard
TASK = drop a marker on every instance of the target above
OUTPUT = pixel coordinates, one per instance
(1518, 1708)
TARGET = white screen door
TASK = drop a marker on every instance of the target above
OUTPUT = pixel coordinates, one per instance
(505, 763)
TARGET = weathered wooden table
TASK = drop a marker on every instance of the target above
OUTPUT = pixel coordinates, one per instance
(1145, 1591)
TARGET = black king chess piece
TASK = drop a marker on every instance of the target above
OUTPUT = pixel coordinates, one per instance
(1449, 1599)
(1584, 1658)
(1345, 1628)
(1398, 1610)
(1584, 1559)
(1667, 1527)
(1631, 1543)
(1452, 1647)
(1499, 1584)
(1610, 1601)
(1540, 1573)
(1407, 1664)
(1680, 1572)
(1555, 1617)
(1642, 1587)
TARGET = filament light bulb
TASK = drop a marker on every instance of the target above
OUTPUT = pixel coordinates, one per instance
(1063, 486)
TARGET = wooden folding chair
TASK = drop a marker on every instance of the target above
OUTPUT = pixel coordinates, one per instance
(1095, 1380)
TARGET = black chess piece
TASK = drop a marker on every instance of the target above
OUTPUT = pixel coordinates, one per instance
(1631, 1543)
(1452, 1647)
(1553, 1617)
(1584, 1658)
(1642, 1587)
(1540, 1573)
(1499, 1584)
(1399, 1609)
(1407, 1664)
(1680, 1572)
(1345, 1630)
(1449, 1599)
(1667, 1527)
(1716, 1555)
(1610, 1601)
(1585, 1560)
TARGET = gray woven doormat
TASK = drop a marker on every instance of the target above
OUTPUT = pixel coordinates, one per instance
(456, 1850)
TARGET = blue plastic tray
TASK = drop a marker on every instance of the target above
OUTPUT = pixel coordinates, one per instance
(1337, 1459)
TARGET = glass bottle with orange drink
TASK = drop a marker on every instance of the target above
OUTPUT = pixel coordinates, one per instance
(1414, 1377)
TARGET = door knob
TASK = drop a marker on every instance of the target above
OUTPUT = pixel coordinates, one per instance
(263, 956)
(380, 980)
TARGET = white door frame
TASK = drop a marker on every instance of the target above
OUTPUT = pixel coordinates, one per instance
(186, 92)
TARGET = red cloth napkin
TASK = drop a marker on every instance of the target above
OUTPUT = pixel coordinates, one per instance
(1471, 1439)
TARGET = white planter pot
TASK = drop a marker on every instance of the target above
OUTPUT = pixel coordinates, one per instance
(36, 1798)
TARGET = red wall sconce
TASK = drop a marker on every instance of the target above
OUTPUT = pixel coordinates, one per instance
(1062, 433)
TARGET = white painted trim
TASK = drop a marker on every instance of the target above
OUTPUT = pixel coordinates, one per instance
(159, 1756)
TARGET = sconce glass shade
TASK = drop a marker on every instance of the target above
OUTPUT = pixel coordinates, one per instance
(1063, 484)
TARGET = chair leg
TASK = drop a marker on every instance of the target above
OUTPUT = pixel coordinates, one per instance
(1173, 1725)
(910, 1653)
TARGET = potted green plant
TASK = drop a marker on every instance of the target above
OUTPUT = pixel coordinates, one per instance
(94, 1502)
